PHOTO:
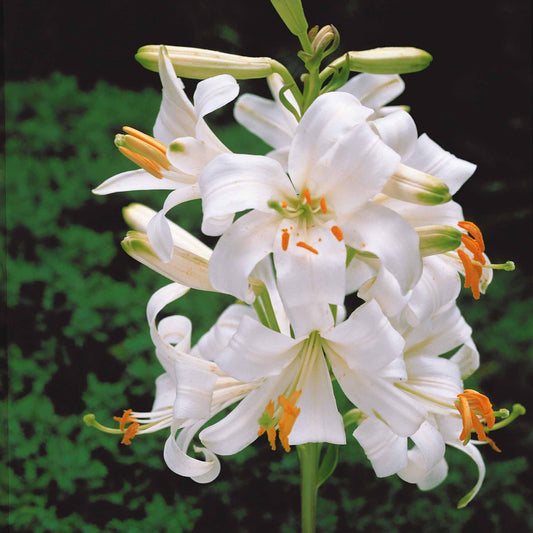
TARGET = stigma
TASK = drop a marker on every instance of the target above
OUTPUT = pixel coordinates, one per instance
(143, 150)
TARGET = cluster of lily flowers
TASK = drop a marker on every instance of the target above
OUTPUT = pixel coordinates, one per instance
(350, 201)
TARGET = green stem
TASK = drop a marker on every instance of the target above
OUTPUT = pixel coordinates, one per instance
(309, 455)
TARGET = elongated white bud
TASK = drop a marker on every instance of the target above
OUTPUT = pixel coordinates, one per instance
(389, 60)
(198, 63)
(137, 216)
(417, 187)
(185, 267)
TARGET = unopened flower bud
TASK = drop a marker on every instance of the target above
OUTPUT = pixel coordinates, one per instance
(197, 63)
(438, 239)
(417, 187)
(185, 267)
(389, 60)
(326, 37)
(292, 14)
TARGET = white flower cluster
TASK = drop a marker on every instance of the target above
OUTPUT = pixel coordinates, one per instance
(350, 200)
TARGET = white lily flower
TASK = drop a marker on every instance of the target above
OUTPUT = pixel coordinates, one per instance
(336, 165)
(295, 393)
(435, 382)
(182, 144)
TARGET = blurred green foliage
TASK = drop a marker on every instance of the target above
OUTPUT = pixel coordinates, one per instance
(78, 342)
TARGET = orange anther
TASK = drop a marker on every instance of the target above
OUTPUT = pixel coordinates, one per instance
(337, 232)
(323, 205)
(472, 273)
(288, 418)
(474, 231)
(473, 246)
(304, 245)
(146, 138)
(307, 196)
(142, 161)
(126, 418)
(285, 236)
(284, 205)
(475, 408)
(130, 432)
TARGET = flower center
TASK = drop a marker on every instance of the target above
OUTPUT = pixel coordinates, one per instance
(308, 212)
(143, 150)
(283, 418)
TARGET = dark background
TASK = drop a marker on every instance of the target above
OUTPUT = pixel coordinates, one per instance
(78, 338)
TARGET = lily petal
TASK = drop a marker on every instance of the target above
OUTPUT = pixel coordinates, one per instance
(427, 453)
(374, 90)
(235, 182)
(386, 234)
(429, 157)
(134, 180)
(176, 117)
(256, 351)
(384, 449)
(176, 458)
(366, 339)
(239, 250)
(398, 131)
(329, 118)
(158, 230)
(266, 119)
(319, 419)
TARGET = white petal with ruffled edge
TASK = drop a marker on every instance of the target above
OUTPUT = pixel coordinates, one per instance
(429, 157)
(214, 93)
(425, 455)
(239, 250)
(386, 451)
(235, 182)
(176, 458)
